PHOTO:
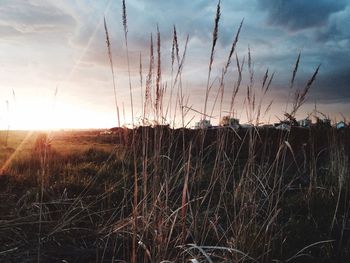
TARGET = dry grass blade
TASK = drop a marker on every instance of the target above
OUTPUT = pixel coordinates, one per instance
(237, 84)
(135, 197)
(175, 48)
(184, 193)
(265, 79)
(174, 51)
(269, 84)
(148, 89)
(250, 67)
(233, 47)
(200, 249)
(141, 85)
(299, 253)
(268, 108)
(182, 62)
(159, 75)
(112, 69)
(295, 70)
(224, 71)
(309, 83)
(124, 17)
(300, 96)
(215, 37)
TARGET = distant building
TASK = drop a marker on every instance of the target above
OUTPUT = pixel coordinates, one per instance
(283, 126)
(341, 125)
(227, 121)
(305, 123)
(203, 124)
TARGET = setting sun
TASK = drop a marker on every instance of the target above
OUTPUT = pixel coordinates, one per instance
(36, 113)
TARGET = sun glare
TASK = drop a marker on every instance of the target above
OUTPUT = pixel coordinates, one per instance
(45, 115)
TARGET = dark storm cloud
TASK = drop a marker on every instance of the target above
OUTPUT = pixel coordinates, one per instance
(337, 29)
(333, 86)
(332, 81)
(333, 50)
(300, 14)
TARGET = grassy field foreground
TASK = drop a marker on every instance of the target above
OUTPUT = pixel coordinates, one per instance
(206, 195)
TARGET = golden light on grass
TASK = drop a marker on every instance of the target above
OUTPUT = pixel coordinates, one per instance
(13, 155)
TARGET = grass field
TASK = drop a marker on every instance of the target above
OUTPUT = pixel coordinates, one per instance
(242, 199)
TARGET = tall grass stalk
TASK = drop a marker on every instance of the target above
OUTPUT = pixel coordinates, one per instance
(214, 40)
(135, 210)
(125, 26)
(109, 51)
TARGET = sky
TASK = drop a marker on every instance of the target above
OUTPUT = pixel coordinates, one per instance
(55, 72)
